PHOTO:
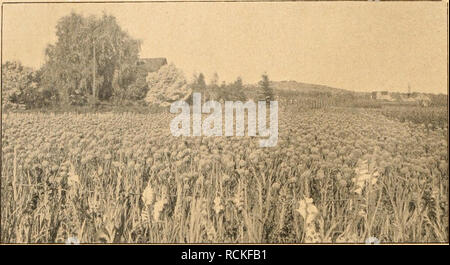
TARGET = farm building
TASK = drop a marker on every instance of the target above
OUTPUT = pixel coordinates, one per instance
(151, 64)
(382, 95)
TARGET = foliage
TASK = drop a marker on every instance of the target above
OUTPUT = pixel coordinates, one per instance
(20, 86)
(432, 117)
(70, 62)
(233, 91)
(136, 89)
(439, 100)
(199, 83)
(336, 175)
(266, 89)
(167, 85)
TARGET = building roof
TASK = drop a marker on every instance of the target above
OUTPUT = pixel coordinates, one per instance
(151, 64)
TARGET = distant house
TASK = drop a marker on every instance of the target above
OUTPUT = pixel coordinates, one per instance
(150, 65)
(382, 95)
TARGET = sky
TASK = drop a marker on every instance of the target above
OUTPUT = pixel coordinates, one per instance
(360, 46)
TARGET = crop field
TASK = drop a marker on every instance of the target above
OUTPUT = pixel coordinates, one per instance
(434, 117)
(337, 175)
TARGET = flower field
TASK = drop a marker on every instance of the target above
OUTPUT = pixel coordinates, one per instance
(337, 175)
(433, 117)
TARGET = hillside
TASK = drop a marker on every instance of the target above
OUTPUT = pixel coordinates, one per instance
(305, 87)
(289, 88)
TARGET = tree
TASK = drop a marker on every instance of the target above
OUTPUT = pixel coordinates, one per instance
(235, 91)
(238, 90)
(137, 86)
(88, 55)
(214, 80)
(19, 85)
(166, 86)
(266, 89)
(201, 83)
(199, 86)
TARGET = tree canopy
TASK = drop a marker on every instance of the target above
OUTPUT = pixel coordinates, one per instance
(82, 44)
(19, 85)
(166, 86)
(266, 89)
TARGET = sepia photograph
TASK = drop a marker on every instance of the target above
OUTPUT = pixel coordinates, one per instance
(224, 123)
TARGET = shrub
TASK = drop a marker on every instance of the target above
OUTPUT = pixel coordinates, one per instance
(20, 86)
(166, 86)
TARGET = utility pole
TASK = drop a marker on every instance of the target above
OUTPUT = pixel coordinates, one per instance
(93, 75)
(94, 64)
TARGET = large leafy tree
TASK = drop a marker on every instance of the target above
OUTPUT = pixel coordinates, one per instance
(88, 45)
